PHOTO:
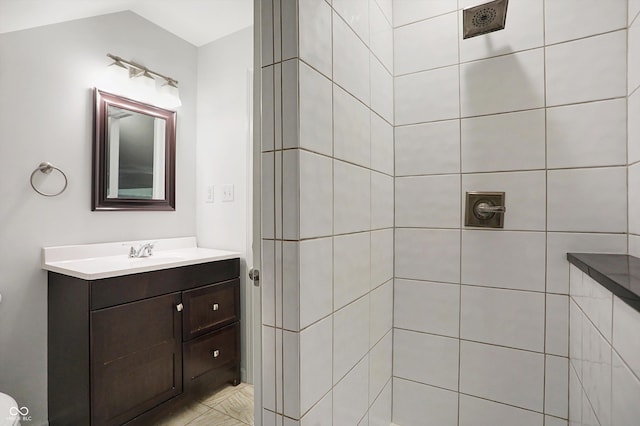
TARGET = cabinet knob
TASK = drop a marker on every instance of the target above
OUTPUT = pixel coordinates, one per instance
(215, 307)
(179, 307)
(215, 353)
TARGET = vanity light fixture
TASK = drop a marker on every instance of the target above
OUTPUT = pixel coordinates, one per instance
(145, 81)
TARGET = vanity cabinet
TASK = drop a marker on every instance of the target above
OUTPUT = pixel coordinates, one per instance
(121, 347)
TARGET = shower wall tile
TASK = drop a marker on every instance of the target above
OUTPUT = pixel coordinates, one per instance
(351, 268)
(503, 317)
(517, 256)
(427, 254)
(290, 104)
(503, 84)
(427, 96)
(381, 35)
(570, 200)
(322, 410)
(567, 20)
(315, 111)
(587, 135)
(316, 195)
(501, 374)
(525, 196)
(356, 14)
(634, 57)
(351, 128)
(425, 45)
(352, 198)
(267, 122)
(426, 358)
(634, 199)
(315, 363)
(524, 30)
(633, 136)
(381, 257)
(625, 391)
(351, 396)
(514, 141)
(418, 404)
(634, 9)
(380, 411)
(407, 11)
(428, 307)
(350, 337)
(381, 312)
(480, 412)
(315, 35)
(380, 366)
(428, 201)
(387, 8)
(316, 281)
(557, 325)
(588, 69)
(556, 386)
(432, 148)
(381, 145)
(381, 89)
(625, 323)
(350, 61)
(381, 201)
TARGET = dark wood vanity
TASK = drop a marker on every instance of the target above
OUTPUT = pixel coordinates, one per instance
(123, 347)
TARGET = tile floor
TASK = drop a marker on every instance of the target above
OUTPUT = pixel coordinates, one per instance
(229, 406)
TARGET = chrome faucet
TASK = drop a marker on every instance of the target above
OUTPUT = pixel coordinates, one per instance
(144, 250)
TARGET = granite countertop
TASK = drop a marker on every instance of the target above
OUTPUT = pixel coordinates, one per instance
(619, 273)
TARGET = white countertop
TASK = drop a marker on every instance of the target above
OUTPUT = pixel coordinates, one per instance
(96, 261)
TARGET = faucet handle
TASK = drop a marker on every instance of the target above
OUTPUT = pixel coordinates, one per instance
(132, 252)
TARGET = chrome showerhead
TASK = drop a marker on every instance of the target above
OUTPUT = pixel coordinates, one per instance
(485, 18)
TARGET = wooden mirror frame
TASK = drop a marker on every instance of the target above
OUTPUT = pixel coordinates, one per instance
(99, 200)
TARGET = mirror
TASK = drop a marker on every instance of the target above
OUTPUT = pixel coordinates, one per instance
(134, 155)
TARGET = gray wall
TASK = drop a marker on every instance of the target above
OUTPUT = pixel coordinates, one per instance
(46, 76)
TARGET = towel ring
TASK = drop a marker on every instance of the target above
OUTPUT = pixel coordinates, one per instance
(47, 168)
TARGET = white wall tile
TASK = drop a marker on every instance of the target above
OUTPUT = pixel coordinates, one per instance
(352, 198)
(267, 183)
(514, 141)
(320, 412)
(381, 145)
(268, 368)
(559, 244)
(315, 35)
(568, 20)
(525, 196)
(291, 202)
(291, 378)
(480, 412)
(381, 35)
(351, 267)
(430, 148)
(407, 11)
(279, 108)
(315, 111)
(279, 374)
(428, 254)
(519, 256)
(585, 70)
(634, 245)
(432, 201)
(634, 9)
(427, 96)
(289, 29)
(380, 366)
(267, 129)
(426, 358)
(557, 325)
(351, 128)
(556, 386)
(425, 45)
(316, 195)
(278, 287)
(381, 201)
(269, 418)
(381, 89)
(289, 187)
(626, 321)
(634, 57)
(315, 363)
(356, 14)
(381, 256)
(415, 404)
(503, 317)
(380, 411)
(381, 312)
(596, 372)
(268, 283)
(585, 135)
(570, 197)
(427, 307)
(266, 26)
(387, 8)
(523, 30)
(291, 285)
(597, 304)
(290, 104)
(575, 398)
(633, 107)
(505, 375)
(350, 396)
(350, 61)
(625, 395)
(350, 337)
(575, 337)
(507, 83)
(316, 282)
(277, 30)
(634, 198)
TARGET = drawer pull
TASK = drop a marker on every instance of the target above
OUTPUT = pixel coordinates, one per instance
(215, 353)
(215, 307)
(179, 307)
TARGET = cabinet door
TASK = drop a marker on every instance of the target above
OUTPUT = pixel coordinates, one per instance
(136, 358)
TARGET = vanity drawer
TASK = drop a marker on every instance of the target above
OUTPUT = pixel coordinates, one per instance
(217, 350)
(210, 307)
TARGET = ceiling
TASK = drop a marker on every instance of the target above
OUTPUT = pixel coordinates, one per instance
(196, 21)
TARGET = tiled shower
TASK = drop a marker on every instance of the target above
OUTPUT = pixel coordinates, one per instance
(379, 305)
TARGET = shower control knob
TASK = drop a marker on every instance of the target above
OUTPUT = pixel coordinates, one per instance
(485, 210)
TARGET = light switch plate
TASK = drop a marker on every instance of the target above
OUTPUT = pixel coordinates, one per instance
(209, 195)
(227, 192)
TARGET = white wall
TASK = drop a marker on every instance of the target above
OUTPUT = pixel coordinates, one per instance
(225, 69)
(327, 205)
(633, 84)
(46, 111)
(605, 360)
(537, 110)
